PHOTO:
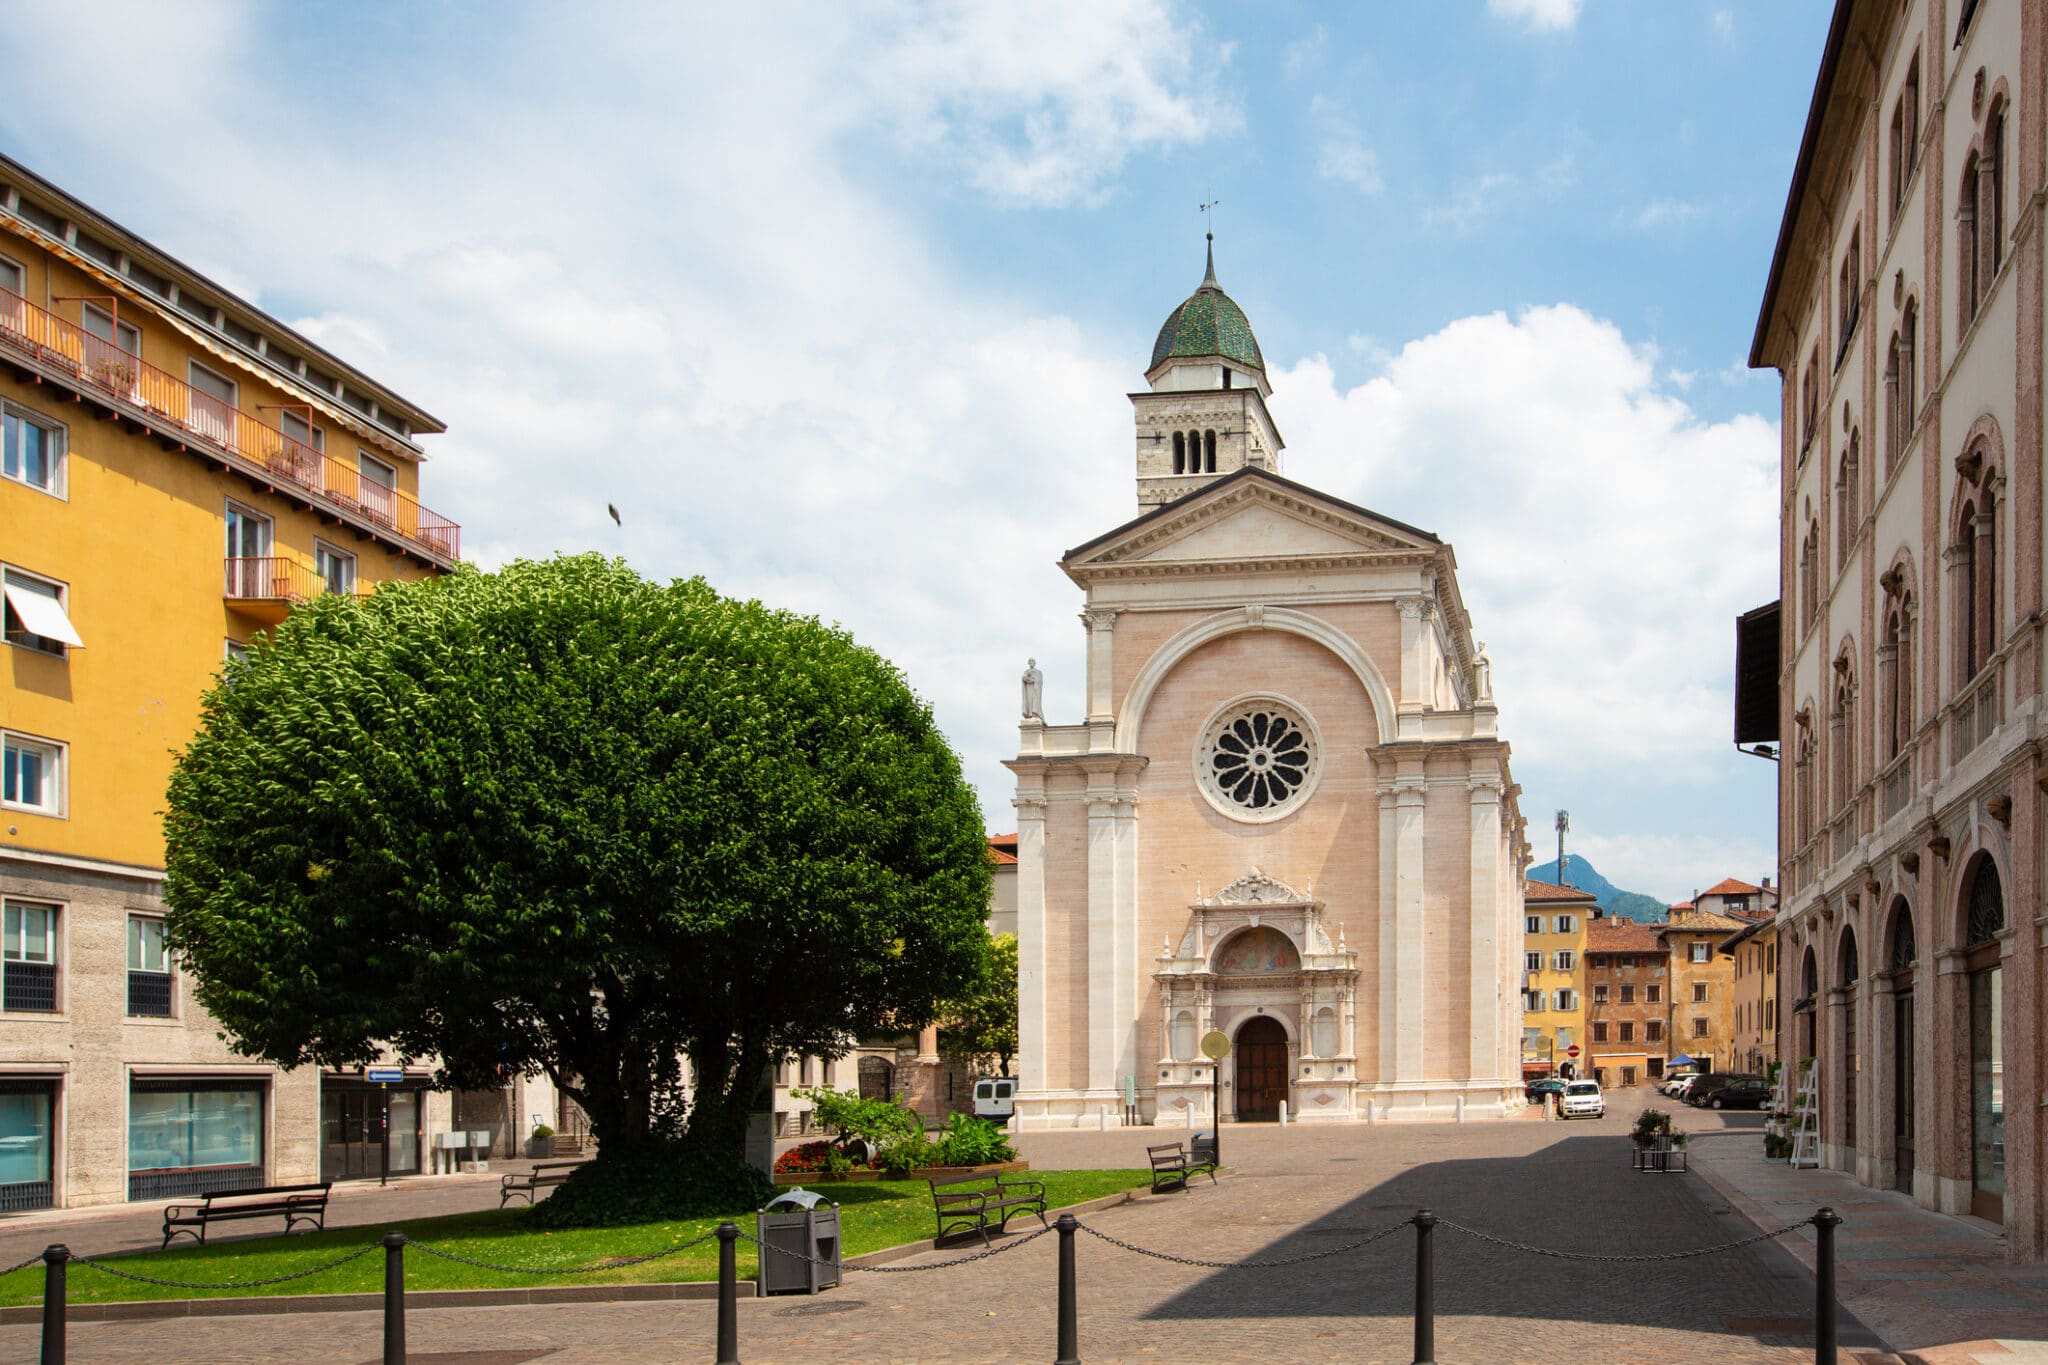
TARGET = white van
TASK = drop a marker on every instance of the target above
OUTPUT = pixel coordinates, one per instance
(993, 1098)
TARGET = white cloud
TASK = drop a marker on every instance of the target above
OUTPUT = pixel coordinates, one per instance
(1342, 155)
(1603, 531)
(1724, 24)
(1541, 15)
(1304, 51)
(1473, 201)
(1042, 104)
(1661, 213)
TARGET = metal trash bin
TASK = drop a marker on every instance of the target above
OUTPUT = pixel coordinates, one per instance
(1202, 1147)
(806, 1225)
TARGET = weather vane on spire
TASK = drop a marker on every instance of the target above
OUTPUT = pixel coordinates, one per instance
(1208, 210)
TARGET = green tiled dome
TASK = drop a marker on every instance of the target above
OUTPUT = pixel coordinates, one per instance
(1209, 323)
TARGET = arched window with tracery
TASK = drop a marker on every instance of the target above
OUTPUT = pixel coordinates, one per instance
(1894, 409)
(1985, 911)
(1895, 668)
(1973, 551)
(1991, 198)
(1966, 242)
(1802, 775)
(1904, 951)
(1842, 740)
(1847, 503)
(1809, 575)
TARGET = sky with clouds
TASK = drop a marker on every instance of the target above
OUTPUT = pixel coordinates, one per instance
(839, 304)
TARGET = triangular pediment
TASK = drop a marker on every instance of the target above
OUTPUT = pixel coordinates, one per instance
(1252, 516)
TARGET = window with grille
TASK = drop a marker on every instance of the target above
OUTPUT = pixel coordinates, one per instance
(149, 968)
(28, 961)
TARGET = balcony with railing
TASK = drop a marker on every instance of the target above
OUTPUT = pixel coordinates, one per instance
(1973, 715)
(268, 587)
(164, 400)
(1895, 784)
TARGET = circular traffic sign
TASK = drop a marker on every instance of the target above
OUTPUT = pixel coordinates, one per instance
(1572, 1051)
(1215, 1045)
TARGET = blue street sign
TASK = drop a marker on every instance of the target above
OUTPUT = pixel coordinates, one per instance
(385, 1075)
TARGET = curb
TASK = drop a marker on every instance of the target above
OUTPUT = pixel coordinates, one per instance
(662, 1292)
(1798, 1248)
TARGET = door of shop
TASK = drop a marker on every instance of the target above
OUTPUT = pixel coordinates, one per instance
(368, 1132)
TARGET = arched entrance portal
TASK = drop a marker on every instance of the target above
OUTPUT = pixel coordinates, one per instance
(1985, 911)
(1261, 1082)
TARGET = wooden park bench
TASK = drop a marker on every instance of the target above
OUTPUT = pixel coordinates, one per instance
(969, 1203)
(545, 1173)
(1172, 1166)
(293, 1203)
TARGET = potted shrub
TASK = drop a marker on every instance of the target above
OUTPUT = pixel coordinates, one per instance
(541, 1144)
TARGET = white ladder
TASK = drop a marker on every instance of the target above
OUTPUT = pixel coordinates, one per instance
(1806, 1117)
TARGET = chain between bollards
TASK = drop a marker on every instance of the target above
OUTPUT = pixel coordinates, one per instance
(728, 1295)
(1070, 1326)
(54, 1258)
(394, 1298)
(1825, 1222)
(1425, 1287)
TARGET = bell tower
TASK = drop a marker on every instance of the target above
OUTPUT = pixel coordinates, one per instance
(1205, 413)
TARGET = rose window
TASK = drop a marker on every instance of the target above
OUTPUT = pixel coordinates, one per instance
(1257, 759)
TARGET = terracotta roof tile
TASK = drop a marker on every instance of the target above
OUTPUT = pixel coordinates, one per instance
(1546, 891)
(1731, 887)
(1623, 936)
(1002, 849)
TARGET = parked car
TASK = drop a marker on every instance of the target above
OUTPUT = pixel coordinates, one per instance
(1582, 1099)
(1703, 1090)
(1676, 1083)
(1540, 1090)
(1744, 1094)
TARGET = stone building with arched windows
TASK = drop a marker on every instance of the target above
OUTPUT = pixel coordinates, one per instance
(1285, 813)
(1905, 315)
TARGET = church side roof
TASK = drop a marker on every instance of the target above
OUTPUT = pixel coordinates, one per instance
(1248, 472)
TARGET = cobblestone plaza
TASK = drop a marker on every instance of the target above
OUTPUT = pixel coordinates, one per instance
(1290, 1192)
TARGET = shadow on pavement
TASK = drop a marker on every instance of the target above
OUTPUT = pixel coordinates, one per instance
(1578, 1194)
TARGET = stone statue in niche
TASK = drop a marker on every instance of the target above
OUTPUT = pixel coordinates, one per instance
(1034, 691)
(1482, 675)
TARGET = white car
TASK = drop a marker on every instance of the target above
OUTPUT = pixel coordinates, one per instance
(1582, 1099)
(1678, 1086)
(994, 1097)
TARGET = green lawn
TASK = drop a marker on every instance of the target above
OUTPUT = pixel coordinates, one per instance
(874, 1215)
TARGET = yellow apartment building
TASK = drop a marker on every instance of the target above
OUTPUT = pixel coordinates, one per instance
(1553, 976)
(1753, 955)
(178, 469)
(1702, 986)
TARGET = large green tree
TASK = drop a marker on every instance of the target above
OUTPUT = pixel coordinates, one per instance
(979, 1024)
(561, 818)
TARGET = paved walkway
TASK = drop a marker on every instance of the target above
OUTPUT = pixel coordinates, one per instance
(1936, 1287)
(1294, 1192)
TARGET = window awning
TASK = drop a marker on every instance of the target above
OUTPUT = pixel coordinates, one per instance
(42, 615)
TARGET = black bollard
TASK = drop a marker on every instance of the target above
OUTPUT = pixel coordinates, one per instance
(1825, 1222)
(394, 1298)
(1070, 1328)
(1425, 1287)
(54, 1258)
(729, 1295)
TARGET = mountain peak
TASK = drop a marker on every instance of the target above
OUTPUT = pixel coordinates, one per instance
(1618, 903)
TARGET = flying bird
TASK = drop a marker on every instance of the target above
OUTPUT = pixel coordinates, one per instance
(613, 509)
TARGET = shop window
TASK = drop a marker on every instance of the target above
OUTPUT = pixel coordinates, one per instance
(194, 1136)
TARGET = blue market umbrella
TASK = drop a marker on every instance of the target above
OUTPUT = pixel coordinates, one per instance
(1683, 1060)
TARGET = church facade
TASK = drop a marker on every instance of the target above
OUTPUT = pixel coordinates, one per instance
(1287, 814)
